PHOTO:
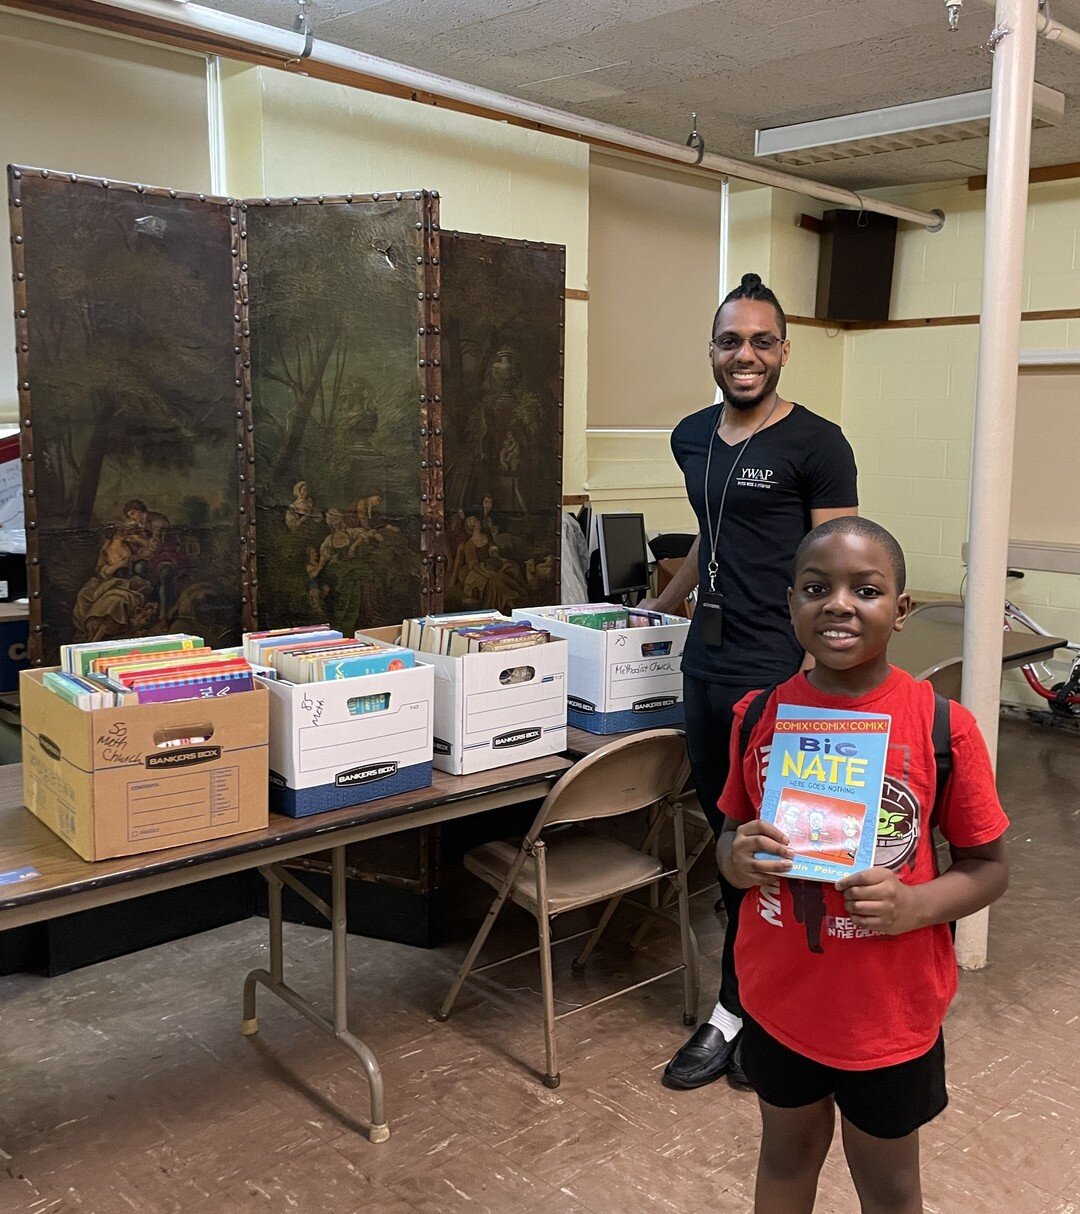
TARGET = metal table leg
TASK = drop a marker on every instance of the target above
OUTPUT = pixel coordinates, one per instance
(277, 876)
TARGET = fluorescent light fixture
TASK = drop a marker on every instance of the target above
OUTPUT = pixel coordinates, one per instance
(920, 124)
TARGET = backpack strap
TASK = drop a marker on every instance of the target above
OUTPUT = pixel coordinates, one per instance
(752, 715)
(941, 736)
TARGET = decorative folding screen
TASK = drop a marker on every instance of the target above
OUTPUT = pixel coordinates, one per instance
(204, 382)
(344, 306)
(502, 341)
(135, 431)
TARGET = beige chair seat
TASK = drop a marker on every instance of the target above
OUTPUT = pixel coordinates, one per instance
(581, 870)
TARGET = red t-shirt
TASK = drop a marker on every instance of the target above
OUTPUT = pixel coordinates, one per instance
(842, 995)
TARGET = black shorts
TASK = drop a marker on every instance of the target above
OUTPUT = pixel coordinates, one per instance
(890, 1102)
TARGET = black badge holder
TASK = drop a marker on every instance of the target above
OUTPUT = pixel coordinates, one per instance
(710, 602)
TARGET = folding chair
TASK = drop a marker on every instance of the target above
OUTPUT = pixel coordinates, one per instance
(572, 869)
(695, 823)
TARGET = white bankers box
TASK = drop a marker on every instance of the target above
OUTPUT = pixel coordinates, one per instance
(347, 741)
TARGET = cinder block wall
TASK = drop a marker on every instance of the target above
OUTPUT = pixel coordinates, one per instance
(909, 394)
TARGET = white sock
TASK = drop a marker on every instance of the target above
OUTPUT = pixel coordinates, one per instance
(723, 1020)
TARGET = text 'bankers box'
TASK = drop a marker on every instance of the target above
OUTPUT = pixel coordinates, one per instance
(855, 266)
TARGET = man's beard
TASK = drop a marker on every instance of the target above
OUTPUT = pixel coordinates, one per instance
(745, 403)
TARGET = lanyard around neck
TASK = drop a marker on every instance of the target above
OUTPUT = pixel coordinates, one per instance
(714, 534)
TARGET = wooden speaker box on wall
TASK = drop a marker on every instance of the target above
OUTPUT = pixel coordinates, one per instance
(855, 266)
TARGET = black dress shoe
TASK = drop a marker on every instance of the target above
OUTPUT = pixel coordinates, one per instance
(704, 1058)
(736, 1075)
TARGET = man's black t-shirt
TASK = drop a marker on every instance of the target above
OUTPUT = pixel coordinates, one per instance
(801, 463)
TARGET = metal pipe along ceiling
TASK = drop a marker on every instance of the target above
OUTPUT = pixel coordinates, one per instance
(290, 46)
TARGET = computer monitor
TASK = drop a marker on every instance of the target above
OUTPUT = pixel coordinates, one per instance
(624, 561)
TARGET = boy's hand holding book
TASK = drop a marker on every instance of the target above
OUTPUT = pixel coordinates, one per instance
(878, 900)
(737, 859)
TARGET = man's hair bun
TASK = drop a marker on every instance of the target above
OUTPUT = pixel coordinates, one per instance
(751, 287)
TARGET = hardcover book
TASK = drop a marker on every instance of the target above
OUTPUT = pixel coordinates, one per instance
(823, 788)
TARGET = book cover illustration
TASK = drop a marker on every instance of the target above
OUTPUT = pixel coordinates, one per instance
(823, 788)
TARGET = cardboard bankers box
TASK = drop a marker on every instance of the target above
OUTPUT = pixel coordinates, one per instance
(117, 781)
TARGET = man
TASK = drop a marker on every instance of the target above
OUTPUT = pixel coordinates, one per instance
(760, 473)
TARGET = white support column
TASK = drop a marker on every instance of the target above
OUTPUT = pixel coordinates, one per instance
(725, 249)
(995, 393)
(215, 121)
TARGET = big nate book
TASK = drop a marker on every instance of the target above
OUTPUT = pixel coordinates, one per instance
(823, 788)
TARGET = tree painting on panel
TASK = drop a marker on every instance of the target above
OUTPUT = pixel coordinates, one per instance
(335, 309)
(502, 322)
(130, 358)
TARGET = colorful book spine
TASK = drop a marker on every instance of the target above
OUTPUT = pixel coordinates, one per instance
(259, 650)
(601, 620)
(371, 663)
(213, 687)
(524, 640)
(80, 656)
(360, 706)
(75, 690)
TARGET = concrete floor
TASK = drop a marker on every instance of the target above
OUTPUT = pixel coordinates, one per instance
(127, 1086)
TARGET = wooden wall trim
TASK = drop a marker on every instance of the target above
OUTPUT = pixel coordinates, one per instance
(814, 323)
(929, 322)
(1049, 172)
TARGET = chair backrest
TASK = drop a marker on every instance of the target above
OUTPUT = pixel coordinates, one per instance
(946, 678)
(622, 776)
(671, 544)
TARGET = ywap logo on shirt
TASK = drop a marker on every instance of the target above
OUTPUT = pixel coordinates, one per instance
(756, 478)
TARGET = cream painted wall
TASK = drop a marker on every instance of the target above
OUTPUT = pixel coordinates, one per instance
(654, 253)
(98, 105)
(634, 469)
(654, 256)
(908, 399)
(290, 134)
(905, 397)
(764, 240)
(793, 263)
(750, 234)
(814, 375)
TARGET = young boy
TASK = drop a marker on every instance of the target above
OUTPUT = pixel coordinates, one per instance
(846, 987)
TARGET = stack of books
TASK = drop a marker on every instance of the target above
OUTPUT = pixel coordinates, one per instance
(474, 632)
(591, 615)
(154, 670)
(318, 654)
(259, 646)
(604, 616)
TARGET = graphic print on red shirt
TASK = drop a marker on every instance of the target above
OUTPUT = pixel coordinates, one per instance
(840, 994)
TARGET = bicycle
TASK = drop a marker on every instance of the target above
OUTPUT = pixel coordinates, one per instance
(1063, 699)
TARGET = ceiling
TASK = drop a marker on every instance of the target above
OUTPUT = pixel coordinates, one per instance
(740, 64)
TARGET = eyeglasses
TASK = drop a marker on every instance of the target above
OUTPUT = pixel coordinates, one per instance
(729, 342)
